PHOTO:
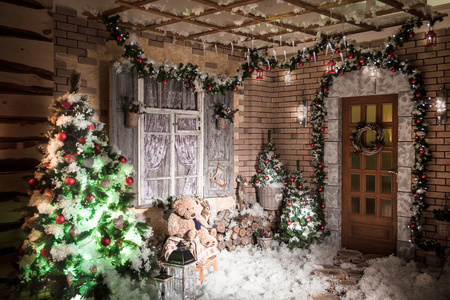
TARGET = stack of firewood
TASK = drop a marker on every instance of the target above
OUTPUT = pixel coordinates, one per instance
(238, 231)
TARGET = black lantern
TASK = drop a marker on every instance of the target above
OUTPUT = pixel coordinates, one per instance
(181, 265)
(164, 285)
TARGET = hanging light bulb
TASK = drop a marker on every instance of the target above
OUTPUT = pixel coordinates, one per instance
(287, 78)
(302, 111)
(431, 38)
(373, 71)
(441, 106)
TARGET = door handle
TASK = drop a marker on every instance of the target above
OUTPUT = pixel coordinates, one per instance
(393, 172)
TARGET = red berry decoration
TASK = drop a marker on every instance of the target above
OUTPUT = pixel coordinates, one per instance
(81, 141)
(308, 219)
(301, 63)
(249, 69)
(351, 56)
(276, 169)
(289, 223)
(390, 54)
(61, 136)
(411, 34)
(415, 195)
(289, 203)
(69, 181)
(122, 159)
(266, 178)
(44, 253)
(342, 72)
(361, 60)
(33, 182)
(105, 241)
(266, 161)
(129, 181)
(394, 70)
(139, 60)
(300, 186)
(424, 176)
(418, 94)
(164, 81)
(60, 219)
(358, 67)
(304, 202)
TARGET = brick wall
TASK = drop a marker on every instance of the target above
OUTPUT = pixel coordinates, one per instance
(270, 104)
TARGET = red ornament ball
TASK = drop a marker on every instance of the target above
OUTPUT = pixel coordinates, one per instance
(301, 64)
(120, 38)
(33, 182)
(422, 151)
(361, 60)
(289, 203)
(322, 228)
(275, 155)
(105, 241)
(325, 90)
(411, 34)
(285, 183)
(209, 88)
(259, 171)
(266, 161)
(256, 181)
(289, 223)
(292, 179)
(311, 57)
(312, 145)
(418, 94)
(140, 60)
(129, 181)
(317, 104)
(44, 253)
(320, 166)
(98, 147)
(419, 121)
(69, 181)
(300, 186)
(322, 129)
(412, 225)
(390, 54)
(414, 81)
(60, 219)
(122, 159)
(342, 72)
(308, 219)
(47, 166)
(276, 169)
(235, 88)
(417, 137)
(415, 195)
(424, 176)
(266, 177)
(351, 56)
(320, 189)
(304, 202)
(164, 81)
(81, 141)
(249, 69)
(61, 136)
(358, 67)
(336, 51)
(394, 70)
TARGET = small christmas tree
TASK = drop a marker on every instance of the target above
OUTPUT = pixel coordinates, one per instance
(83, 240)
(302, 219)
(270, 171)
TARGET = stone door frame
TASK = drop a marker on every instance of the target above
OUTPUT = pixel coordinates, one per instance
(359, 83)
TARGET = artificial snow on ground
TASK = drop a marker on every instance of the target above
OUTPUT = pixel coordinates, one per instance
(278, 274)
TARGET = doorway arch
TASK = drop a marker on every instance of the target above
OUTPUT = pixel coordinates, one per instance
(360, 83)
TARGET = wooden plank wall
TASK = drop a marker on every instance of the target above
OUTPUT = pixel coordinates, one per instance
(26, 91)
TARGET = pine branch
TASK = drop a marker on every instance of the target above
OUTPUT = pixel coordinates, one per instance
(74, 82)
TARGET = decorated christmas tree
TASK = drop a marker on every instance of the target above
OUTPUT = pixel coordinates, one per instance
(302, 221)
(270, 171)
(83, 240)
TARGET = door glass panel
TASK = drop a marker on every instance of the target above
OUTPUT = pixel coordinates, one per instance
(386, 113)
(386, 160)
(355, 205)
(356, 161)
(371, 162)
(186, 124)
(386, 208)
(371, 113)
(370, 138)
(356, 114)
(387, 136)
(370, 206)
(370, 183)
(386, 183)
(355, 179)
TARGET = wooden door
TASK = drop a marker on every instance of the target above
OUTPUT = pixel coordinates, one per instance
(369, 194)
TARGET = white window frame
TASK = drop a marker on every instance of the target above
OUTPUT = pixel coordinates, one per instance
(174, 115)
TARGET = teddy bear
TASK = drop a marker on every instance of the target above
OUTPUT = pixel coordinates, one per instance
(185, 222)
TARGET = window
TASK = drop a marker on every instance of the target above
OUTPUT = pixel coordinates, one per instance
(170, 141)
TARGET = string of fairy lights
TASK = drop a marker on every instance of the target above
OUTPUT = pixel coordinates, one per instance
(357, 57)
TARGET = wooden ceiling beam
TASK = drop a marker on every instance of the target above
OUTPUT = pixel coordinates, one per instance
(412, 11)
(116, 10)
(338, 4)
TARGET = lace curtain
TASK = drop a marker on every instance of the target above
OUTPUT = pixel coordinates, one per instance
(155, 144)
(186, 149)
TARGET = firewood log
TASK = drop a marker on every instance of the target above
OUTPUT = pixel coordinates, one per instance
(229, 243)
(220, 226)
(243, 232)
(236, 229)
(234, 236)
(231, 248)
(237, 241)
(220, 237)
(249, 231)
(221, 245)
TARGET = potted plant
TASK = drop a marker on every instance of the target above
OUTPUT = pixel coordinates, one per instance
(223, 114)
(263, 238)
(132, 110)
(434, 253)
(442, 217)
